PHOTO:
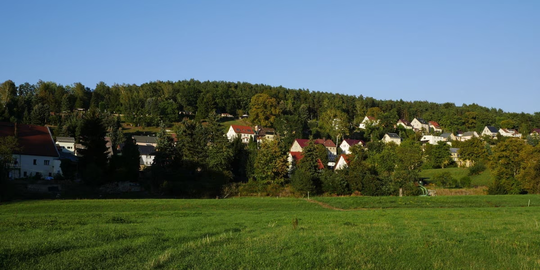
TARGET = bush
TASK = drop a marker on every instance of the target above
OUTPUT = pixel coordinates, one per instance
(303, 182)
(444, 179)
(465, 181)
(478, 168)
(334, 183)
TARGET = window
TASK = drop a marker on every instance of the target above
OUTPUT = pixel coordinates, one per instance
(35, 161)
(46, 162)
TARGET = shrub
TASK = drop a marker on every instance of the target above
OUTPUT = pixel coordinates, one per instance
(465, 181)
(444, 179)
(477, 168)
(334, 183)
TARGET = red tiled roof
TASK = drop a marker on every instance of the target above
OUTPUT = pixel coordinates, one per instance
(33, 140)
(434, 124)
(537, 130)
(327, 143)
(371, 118)
(242, 129)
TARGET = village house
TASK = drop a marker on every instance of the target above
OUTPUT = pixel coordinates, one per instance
(66, 144)
(434, 126)
(420, 124)
(37, 154)
(368, 120)
(507, 132)
(342, 162)
(454, 154)
(245, 133)
(432, 139)
(535, 133)
(404, 123)
(448, 137)
(391, 137)
(264, 133)
(295, 152)
(348, 143)
(147, 154)
(467, 136)
(490, 132)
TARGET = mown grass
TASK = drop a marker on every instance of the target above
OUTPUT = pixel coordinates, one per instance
(259, 233)
(483, 179)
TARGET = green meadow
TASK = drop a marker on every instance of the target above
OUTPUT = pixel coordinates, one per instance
(460, 232)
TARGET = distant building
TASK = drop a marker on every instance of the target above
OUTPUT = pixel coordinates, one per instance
(391, 137)
(368, 120)
(490, 132)
(434, 126)
(404, 123)
(420, 124)
(145, 140)
(431, 139)
(348, 143)
(507, 132)
(245, 133)
(67, 144)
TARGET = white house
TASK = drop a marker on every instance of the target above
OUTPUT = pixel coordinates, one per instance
(490, 131)
(342, 162)
(404, 123)
(38, 153)
(391, 137)
(368, 120)
(535, 133)
(467, 136)
(244, 132)
(67, 144)
(147, 155)
(420, 124)
(348, 143)
(507, 132)
(431, 139)
(295, 152)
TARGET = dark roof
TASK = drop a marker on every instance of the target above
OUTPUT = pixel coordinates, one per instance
(147, 149)
(493, 129)
(33, 140)
(393, 135)
(422, 121)
(145, 139)
(266, 131)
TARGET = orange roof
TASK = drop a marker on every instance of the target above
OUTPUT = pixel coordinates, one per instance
(242, 129)
(327, 143)
(435, 124)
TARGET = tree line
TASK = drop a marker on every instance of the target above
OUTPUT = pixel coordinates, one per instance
(201, 161)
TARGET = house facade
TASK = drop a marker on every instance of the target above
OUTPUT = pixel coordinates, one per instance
(432, 139)
(467, 136)
(66, 144)
(342, 162)
(348, 143)
(420, 124)
(507, 132)
(37, 152)
(295, 152)
(245, 133)
(490, 132)
(391, 137)
(404, 123)
(368, 120)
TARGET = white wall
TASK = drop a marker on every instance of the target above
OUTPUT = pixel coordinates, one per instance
(26, 165)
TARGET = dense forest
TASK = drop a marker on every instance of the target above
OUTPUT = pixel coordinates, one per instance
(202, 162)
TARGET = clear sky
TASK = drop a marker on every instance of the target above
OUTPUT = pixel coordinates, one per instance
(460, 51)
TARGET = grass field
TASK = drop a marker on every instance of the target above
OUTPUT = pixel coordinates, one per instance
(460, 232)
(483, 179)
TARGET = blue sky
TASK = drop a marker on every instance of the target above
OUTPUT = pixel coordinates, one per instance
(484, 52)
